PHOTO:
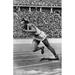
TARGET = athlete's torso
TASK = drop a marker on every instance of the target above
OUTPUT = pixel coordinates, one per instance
(39, 35)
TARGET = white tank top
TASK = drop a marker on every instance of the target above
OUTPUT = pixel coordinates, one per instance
(38, 31)
(41, 35)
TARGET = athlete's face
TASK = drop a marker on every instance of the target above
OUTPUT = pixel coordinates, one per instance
(22, 22)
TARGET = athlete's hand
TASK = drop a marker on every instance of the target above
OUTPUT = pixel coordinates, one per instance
(22, 22)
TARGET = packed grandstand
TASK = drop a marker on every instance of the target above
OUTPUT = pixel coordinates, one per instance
(45, 14)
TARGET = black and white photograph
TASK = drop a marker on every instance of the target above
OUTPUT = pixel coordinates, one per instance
(37, 37)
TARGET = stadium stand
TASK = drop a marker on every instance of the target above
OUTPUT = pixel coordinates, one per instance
(46, 14)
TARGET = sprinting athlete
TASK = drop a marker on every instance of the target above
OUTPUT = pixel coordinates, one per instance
(40, 36)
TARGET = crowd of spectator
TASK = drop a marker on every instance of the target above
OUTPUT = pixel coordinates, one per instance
(38, 2)
(50, 23)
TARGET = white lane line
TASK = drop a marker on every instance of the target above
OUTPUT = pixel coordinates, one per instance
(23, 50)
(25, 55)
(35, 64)
(26, 59)
(33, 72)
(17, 52)
(55, 73)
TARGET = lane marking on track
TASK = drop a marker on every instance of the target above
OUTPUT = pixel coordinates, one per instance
(17, 55)
(35, 65)
(22, 51)
(26, 56)
(26, 59)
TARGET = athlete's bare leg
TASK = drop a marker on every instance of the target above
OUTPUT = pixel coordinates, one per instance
(46, 43)
(36, 48)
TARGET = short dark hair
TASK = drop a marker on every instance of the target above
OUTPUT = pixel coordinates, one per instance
(25, 21)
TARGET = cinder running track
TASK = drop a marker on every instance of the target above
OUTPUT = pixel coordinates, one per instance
(28, 63)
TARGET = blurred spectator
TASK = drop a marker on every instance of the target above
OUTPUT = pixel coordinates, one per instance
(38, 2)
(48, 22)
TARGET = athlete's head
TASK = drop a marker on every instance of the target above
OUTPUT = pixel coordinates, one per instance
(24, 21)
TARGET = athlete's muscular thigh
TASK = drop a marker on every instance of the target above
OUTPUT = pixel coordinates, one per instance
(46, 43)
(35, 43)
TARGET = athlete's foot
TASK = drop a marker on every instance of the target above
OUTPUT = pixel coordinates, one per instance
(56, 57)
(34, 50)
(42, 59)
(48, 59)
(42, 50)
